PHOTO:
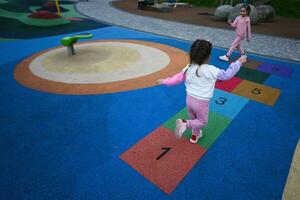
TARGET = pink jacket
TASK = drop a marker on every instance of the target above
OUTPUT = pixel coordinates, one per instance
(242, 26)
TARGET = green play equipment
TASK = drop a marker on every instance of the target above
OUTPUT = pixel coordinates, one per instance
(69, 41)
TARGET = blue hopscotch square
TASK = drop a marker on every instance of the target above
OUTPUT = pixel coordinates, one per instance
(227, 104)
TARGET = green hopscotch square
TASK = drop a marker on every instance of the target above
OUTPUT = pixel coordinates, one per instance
(252, 75)
(216, 125)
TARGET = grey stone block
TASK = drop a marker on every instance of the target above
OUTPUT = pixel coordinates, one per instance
(222, 12)
(266, 13)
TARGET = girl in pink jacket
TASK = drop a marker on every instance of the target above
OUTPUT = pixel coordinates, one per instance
(242, 29)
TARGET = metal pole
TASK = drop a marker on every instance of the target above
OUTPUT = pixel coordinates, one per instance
(57, 7)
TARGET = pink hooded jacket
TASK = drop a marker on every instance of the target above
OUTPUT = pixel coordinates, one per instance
(242, 26)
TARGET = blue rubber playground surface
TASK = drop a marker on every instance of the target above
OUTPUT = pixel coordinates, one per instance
(61, 146)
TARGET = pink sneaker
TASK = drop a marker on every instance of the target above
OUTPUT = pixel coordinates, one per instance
(181, 126)
(194, 139)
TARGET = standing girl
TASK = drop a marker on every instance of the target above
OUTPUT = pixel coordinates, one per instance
(200, 79)
(242, 27)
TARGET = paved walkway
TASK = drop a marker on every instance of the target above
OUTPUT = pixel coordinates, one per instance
(102, 10)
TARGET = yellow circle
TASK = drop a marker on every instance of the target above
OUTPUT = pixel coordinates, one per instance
(90, 59)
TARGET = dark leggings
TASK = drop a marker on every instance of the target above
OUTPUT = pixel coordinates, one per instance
(140, 5)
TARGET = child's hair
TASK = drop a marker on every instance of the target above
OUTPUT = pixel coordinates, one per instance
(200, 51)
(247, 7)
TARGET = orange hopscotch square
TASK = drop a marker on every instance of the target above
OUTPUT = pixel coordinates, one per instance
(163, 159)
(257, 92)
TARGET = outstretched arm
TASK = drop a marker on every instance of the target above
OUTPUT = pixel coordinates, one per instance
(176, 79)
(231, 70)
(233, 24)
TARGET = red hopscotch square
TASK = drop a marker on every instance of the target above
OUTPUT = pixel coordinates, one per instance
(228, 85)
(164, 168)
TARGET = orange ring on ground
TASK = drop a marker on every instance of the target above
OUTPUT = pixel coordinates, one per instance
(178, 59)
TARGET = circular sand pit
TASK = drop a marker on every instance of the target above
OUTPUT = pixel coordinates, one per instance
(100, 67)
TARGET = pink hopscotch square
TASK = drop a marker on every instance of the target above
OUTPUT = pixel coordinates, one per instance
(228, 85)
(163, 159)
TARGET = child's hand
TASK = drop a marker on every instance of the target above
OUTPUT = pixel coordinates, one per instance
(160, 81)
(242, 59)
